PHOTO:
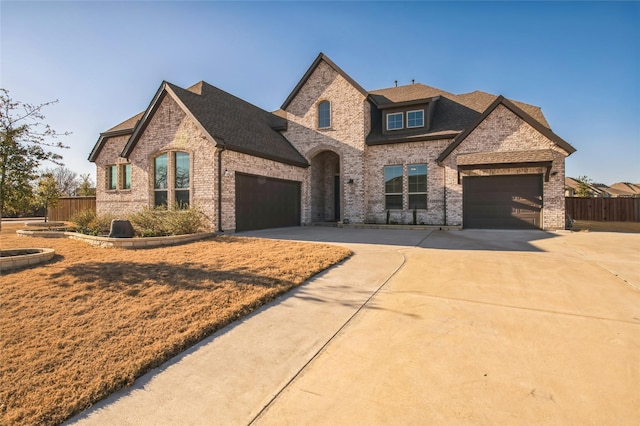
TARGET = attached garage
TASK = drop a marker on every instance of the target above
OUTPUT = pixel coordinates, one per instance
(263, 202)
(502, 202)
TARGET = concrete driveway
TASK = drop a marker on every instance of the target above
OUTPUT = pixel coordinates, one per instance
(421, 327)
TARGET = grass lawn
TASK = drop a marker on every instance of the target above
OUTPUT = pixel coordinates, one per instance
(91, 321)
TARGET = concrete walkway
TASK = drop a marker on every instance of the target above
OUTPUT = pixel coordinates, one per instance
(421, 327)
(228, 378)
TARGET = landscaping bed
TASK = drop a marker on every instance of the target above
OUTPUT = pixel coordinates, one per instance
(92, 320)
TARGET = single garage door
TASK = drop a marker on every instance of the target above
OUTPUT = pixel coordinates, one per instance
(502, 202)
(263, 202)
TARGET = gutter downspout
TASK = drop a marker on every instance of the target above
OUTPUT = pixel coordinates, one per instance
(444, 190)
(221, 147)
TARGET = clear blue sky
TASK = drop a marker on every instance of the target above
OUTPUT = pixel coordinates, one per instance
(104, 61)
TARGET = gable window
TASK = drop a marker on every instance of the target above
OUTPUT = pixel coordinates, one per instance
(394, 121)
(415, 118)
(392, 187)
(125, 171)
(112, 177)
(324, 114)
(417, 186)
(172, 179)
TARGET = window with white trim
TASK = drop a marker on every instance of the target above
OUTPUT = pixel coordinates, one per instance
(324, 115)
(392, 187)
(417, 186)
(395, 121)
(112, 177)
(415, 118)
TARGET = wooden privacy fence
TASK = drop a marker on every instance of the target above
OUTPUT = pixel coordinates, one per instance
(69, 206)
(603, 209)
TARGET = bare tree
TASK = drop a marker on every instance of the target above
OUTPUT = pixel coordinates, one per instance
(24, 143)
(66, 179)
(86, 189)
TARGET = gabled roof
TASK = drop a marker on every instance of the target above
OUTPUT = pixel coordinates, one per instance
(501, 100)
(321, 57)
(122, 129)
(227, 121)
(631, 188)
(453, 113)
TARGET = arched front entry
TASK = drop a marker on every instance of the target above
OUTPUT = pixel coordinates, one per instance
(325, 187)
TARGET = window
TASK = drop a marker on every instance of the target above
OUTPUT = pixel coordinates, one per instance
(160, 171)
(112, 177)
(417, 186)
(172, 179)
(394, 121)
(182, 171)
(415, 118)
(324, 114)
(393, 187)
(125, 170)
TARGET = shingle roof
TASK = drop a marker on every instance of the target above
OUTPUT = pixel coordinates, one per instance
(127, 124)
(229, 121)
(243, 127)
(500, 100)
(453, 113)
(122, 129)
(406, 93)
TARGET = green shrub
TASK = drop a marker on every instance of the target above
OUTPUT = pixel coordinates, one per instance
(88, 222)
(149, 222)
(159, 221)
(187, 221)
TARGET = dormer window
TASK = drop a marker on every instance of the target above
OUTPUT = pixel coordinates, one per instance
(415, 118)
(324, 115)
(395, 121)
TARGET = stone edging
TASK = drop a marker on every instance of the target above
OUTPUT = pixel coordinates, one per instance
(13, 262)
(129, 243)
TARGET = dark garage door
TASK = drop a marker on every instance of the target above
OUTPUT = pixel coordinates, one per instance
(502, 202)
(263, 202)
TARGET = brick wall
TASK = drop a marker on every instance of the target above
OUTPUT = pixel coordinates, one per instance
(404, 154)
(171, 130)
(350, 123)
(237, 162)
(502, 130)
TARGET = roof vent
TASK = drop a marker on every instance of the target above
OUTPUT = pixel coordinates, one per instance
(396, 82)
(413, 81)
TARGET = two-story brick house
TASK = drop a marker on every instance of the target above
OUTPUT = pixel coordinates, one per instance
(336, 152)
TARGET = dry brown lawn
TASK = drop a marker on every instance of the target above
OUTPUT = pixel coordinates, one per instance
(585, 225)
(93, 320)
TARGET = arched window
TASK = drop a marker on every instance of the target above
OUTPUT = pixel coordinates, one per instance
(172, 179)
(324, 114)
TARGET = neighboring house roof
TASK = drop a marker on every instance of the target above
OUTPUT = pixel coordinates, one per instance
(501, 100)
(631, 188)
(612, 192)
(226, 120)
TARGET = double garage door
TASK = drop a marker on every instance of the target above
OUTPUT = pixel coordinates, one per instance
(502, 202)
(263, 202)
